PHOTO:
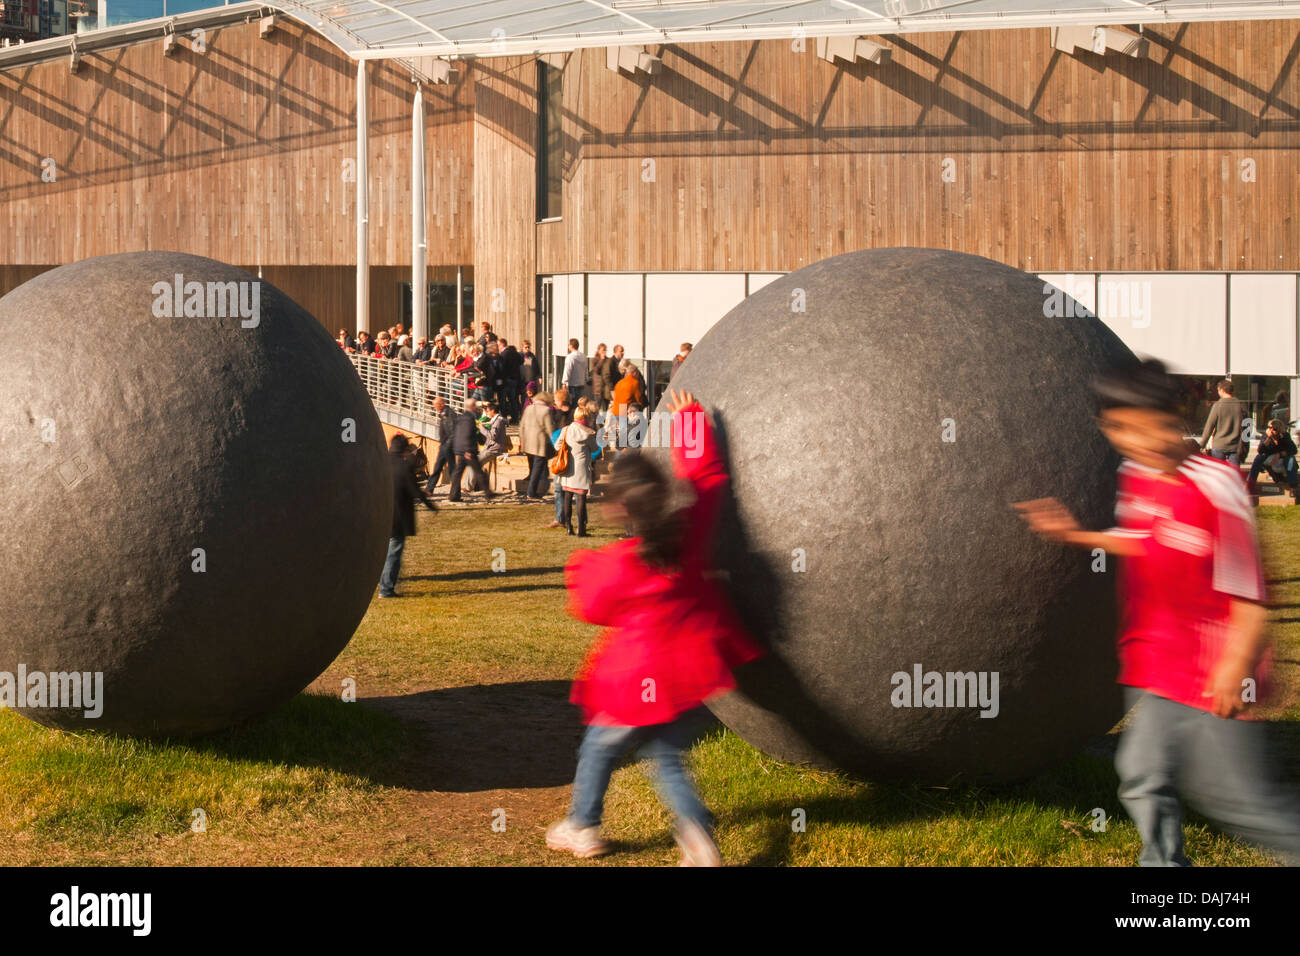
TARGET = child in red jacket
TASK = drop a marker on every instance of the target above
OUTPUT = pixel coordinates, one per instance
(673, 638)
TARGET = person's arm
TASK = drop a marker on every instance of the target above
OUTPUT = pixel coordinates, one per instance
(1242, 653)
(1052, 521)
(1211, 424)
(697, 459)
(1239, 575)
(416, 491)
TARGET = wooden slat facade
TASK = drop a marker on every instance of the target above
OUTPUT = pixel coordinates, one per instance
(237, 153)
(765, 158)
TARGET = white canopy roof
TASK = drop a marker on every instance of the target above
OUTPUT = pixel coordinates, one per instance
(372, 29)
(406, 29)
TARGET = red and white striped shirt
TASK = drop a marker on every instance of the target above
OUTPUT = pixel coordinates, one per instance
(1199, 552)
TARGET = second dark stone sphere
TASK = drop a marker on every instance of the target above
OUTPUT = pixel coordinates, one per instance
(881, 411)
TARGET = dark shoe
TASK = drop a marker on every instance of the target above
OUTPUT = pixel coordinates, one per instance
(583, 534)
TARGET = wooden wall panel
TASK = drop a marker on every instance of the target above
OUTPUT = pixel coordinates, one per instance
(505, 194)
(768, 158)
(237, 153)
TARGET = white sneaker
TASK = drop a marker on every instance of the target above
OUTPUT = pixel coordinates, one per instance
(582, 842)
(698, 848)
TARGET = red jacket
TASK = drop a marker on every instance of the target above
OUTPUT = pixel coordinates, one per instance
(673, 637)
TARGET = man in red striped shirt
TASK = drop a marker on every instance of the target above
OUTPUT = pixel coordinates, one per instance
(1192, 646)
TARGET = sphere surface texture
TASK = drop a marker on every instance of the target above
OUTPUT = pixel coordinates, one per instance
(881, 411)
(188, 511)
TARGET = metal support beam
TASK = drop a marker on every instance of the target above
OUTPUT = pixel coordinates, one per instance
(419, 245)
(363, 200)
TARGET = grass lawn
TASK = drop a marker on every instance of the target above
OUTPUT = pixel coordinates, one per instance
(460, 750)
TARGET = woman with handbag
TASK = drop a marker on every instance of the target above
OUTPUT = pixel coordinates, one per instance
(560, 418)
(578, 472)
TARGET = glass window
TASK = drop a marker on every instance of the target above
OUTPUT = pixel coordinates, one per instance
(550, 148)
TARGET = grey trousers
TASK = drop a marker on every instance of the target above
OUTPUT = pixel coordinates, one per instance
(1222, 768)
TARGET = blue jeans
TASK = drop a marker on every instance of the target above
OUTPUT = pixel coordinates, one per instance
(1221, 766)
(1289, 466)
(392, 566)
(603, 746)
(1228, 456)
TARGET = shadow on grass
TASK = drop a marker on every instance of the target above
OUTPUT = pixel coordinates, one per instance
(456, 739)
(516, 735)
(313, 730)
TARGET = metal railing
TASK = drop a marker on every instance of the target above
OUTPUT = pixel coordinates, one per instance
(408, 389)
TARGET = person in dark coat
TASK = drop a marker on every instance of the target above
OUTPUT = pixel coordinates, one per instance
(465, 436)
(405, 491)
(446, 458)
(511, 363)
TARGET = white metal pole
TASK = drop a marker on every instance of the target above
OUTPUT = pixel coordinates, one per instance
(363, 201)
(460, 299)
(419, 245)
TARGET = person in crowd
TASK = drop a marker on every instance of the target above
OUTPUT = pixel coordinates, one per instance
(1277, 456)
(381, 345)
(668, 623)
(561, 417)
(446, 459)
(488, 371)
(629, 392)
(615, 367)
(561, 409)
(1193, 645)
(404, 352)
(1223, 428)
(496, 442)
(465, 438)
(441, 353)
(468, 371)
(448, 336)
(346, 342)
(508, 356)
(1281, 407)
(598, 375)
(497, 373)
(365, 344)
(405, 492)
(423, 352)
(530, 369)
(576, 371)
(578, 477)
(679, 358)
(486, 335)
(535, 440)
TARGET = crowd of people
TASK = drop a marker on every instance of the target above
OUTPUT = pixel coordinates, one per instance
(490, 369)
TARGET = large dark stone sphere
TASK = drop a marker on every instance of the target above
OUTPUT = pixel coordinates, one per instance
(133, 437)
(834, 389)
